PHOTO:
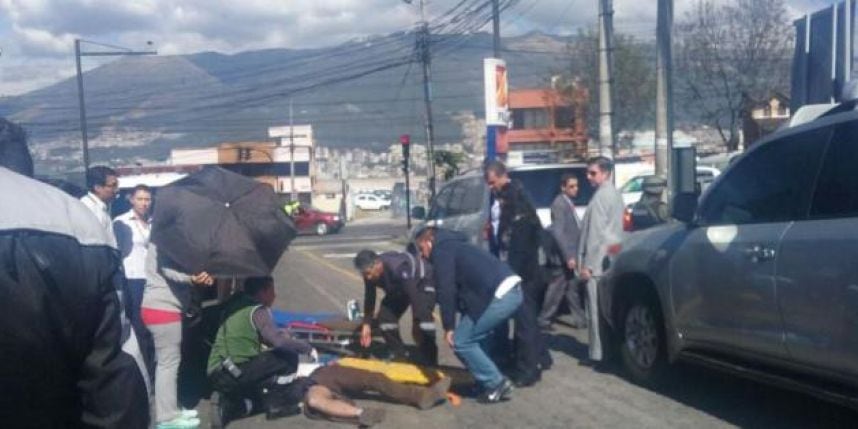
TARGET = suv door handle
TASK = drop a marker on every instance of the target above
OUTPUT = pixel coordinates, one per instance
(760, 253)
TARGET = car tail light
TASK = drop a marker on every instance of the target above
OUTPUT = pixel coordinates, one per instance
(628, 223)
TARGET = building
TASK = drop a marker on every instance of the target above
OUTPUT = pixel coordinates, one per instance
(546, 126)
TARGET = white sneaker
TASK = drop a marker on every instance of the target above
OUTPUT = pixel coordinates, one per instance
(189, 414)
(179, 423)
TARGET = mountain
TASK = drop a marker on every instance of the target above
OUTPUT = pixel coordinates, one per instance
(359, 94)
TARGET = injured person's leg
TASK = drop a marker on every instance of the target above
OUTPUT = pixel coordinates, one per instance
(322, 403)
(345, 380)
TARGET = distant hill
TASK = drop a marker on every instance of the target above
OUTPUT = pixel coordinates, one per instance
(140, 107)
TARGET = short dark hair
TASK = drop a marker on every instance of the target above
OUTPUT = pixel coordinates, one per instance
(566, 178)
(427, 233)
(254, 285)
(496, 167)
(365, 259)
(14, 153)
(97, 176)
(603, 163)
(139, 188)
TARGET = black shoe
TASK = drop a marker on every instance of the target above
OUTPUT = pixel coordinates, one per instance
(496, 394)
(225, 410)
(527, 380)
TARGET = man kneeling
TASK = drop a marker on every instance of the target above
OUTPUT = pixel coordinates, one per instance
(251, 360)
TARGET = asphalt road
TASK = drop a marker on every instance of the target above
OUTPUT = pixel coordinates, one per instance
(316, 275)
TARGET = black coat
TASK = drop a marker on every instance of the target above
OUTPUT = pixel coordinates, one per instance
(519, 232)
(466, 276)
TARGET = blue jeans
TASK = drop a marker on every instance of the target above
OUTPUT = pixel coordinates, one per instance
(469, 335)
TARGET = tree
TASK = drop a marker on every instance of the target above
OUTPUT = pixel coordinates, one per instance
(634, 80)
(727, 55)
(449, 161)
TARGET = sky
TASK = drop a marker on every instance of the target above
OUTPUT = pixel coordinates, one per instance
(37, 36)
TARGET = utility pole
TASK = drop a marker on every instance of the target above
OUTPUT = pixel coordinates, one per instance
(119, 51)
(606, 129)
(426, 58)
(496, 27)
(294, 194)
(664, 92)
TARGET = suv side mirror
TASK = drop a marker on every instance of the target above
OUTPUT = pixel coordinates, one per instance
(418, 213)
(684, 206)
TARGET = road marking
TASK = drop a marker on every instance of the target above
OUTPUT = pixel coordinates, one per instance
(339, 255)
(347, 273)
(385, 244)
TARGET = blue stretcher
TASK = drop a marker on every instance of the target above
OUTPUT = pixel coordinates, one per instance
(326, 331)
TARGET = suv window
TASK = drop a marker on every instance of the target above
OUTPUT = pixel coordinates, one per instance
(633, 185)
(440, 203)
(466, 197)
(837, 187)
(542, 186)
(772, 184)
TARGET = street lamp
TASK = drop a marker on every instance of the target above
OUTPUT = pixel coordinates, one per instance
(119, 51)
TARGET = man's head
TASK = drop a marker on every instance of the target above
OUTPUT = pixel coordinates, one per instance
(495, 175)
(141, 201)
(569, 185)
(261, 289)
(599, 170)
(369, 265)
(14, 154)
(425, 240)
(103, 182)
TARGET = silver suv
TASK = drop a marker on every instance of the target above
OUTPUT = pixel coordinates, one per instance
(761, 277)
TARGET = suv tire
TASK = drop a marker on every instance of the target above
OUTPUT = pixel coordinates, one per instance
(321, 228)
(641, 339)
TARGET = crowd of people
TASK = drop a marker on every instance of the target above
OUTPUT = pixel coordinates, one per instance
(113, 342)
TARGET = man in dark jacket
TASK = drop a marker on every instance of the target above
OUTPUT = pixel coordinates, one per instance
(66, 357)
(407, 281)
(519, 237)
(486, 292)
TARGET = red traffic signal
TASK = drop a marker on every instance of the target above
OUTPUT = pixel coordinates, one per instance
(405, 139)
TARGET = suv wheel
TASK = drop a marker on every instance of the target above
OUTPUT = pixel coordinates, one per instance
(321, 229)
(642, 342)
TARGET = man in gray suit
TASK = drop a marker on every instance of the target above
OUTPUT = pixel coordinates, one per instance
(564, 231)
(601, 232)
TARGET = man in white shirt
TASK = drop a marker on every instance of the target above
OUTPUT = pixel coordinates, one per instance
(103, 184)
(131, 230)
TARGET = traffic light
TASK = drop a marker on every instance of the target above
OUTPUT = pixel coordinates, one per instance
(405, 141)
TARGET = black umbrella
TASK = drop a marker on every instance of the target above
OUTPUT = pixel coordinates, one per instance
(221, 222)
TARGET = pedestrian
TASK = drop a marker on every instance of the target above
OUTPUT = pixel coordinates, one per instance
(328, 386)
(252, 360)
(63, 358)
(471, 281)
(565, 231)
(406, 280)
(132, 238)
(102, 184)
(518, 239)
(601, 232)
(165, 297)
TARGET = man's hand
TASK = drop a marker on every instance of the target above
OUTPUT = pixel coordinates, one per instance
(585, 274)
(365, 335)
(202, 279)
(571, 264)
(449, 337)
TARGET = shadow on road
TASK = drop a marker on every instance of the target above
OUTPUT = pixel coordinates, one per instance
(730, 398)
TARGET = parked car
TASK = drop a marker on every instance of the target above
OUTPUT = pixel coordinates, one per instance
(759, 276)
(462, 204)
(371, 202)
(312, 220)
(633, 188)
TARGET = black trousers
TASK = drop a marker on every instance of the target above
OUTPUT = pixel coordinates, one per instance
(422, 303)
(269, 377)
(531, 353)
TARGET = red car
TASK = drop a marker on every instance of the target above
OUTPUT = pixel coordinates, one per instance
(308, 219)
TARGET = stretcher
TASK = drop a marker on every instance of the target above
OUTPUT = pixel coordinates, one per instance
(327, 331)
